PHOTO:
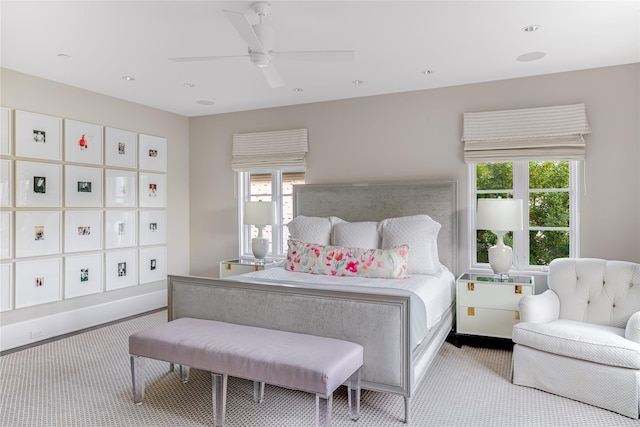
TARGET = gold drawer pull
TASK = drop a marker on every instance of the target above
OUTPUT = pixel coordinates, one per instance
(470, 286)
(471, 311)
(228, 266)
(517, 315)
(518, 289)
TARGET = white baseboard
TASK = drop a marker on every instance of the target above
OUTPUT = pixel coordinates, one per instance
(42, 328)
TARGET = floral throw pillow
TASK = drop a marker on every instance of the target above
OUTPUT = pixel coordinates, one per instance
(314, 258)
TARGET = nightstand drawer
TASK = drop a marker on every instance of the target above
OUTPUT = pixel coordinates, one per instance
(486, 321)
(491, 295)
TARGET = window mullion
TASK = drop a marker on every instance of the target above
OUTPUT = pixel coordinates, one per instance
(276, 233)
(521, 191)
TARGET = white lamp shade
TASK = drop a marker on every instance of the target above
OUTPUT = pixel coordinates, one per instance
(499, 214)
(259, 213)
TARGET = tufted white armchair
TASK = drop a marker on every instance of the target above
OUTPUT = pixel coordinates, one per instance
(581, 338)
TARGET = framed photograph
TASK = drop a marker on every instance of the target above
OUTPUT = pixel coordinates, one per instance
(120, 229)
(83, 186)
(120, 188)
(152, 190)
(38, 136)
(153, 228)
(82, 231)
(6, 234)
(152, 153)
(121, 148)
(153, 264)
(38, 185)
(37, 233)
(82, 275)
(82, 142)
(5, 131)
(121, 269)
(38, 282)
(5, 183)
(6, 285)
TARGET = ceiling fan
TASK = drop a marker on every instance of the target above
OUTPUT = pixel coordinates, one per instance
(259, 38)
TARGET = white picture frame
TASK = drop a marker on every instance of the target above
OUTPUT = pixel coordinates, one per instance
(153, 264)
(121, 148)
(82, 142)
(38, 282)
(82, 231)
(6, 287)
(38, 185)
(6, 234)
(82, 275)
(153, 228)
(5, 131)
(152, 190)
(5, 183)
(120, 188)
(83, 186)
(152, 153)
(120, 229)
(37, 233)
(38, 136)
(121, 269)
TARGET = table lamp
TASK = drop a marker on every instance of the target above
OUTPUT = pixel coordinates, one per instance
(259, 214)
(500, 216)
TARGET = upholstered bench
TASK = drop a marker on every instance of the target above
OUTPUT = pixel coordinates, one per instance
(308, 363)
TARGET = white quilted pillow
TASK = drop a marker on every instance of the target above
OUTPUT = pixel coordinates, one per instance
(420, 232)
(312, 229)
(356, 235)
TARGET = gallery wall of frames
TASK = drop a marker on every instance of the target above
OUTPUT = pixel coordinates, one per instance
(82, 209)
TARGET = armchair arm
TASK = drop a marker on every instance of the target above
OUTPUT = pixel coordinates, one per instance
(632, 332)
(541, 308)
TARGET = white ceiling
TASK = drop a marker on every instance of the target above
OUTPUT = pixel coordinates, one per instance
(394, 42)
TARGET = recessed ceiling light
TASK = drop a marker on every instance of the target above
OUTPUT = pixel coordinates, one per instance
(128, 78)
(531, 28)
(531, 56)
(428, 72)
(205, 102)
(357, 82)
(188, 85)
(298, 89)
(63, 55)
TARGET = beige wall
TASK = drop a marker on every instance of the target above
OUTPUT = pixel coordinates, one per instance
(23, 92)
(416, 136)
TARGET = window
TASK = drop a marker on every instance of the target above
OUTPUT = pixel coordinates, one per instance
(268, 185)
(549, 188)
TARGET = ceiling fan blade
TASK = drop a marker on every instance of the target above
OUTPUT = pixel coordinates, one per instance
(320, 55)
(273, 77)
(205, 58)
(244, 28)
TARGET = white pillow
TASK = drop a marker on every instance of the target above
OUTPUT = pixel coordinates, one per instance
(420, 232)
(312, 229)
(356, 235)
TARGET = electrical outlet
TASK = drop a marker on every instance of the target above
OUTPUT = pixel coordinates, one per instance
(37, 333)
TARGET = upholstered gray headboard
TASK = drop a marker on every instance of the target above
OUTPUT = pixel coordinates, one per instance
(375, 202)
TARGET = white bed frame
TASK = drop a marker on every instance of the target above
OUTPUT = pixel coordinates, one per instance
(380, 323)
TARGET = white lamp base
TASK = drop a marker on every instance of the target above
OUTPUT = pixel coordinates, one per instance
(260, 247)
(500, 256)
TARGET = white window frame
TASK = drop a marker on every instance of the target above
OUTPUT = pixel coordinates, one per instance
(244, 231)
(521, 238)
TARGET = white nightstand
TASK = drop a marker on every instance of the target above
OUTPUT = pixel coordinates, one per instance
(239, 266)
(487, 306)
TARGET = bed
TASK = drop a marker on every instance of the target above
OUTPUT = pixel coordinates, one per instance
(400, 329)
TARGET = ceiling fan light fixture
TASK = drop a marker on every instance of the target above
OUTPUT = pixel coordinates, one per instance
(261, 60)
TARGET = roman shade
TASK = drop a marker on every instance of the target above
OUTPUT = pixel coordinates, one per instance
(550, 133)
(270, 150)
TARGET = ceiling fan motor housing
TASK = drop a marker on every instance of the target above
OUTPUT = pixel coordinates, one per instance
(265, 35)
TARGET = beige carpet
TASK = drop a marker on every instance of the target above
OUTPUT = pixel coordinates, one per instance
(84, 380)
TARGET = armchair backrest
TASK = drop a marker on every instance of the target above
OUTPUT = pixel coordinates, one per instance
(596, 290)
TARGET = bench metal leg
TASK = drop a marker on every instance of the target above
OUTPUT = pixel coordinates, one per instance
(258, 391)
(219, 398)
(137, 379)
(353, 391)
(323, 410)
(407, 409)
(184, 373)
